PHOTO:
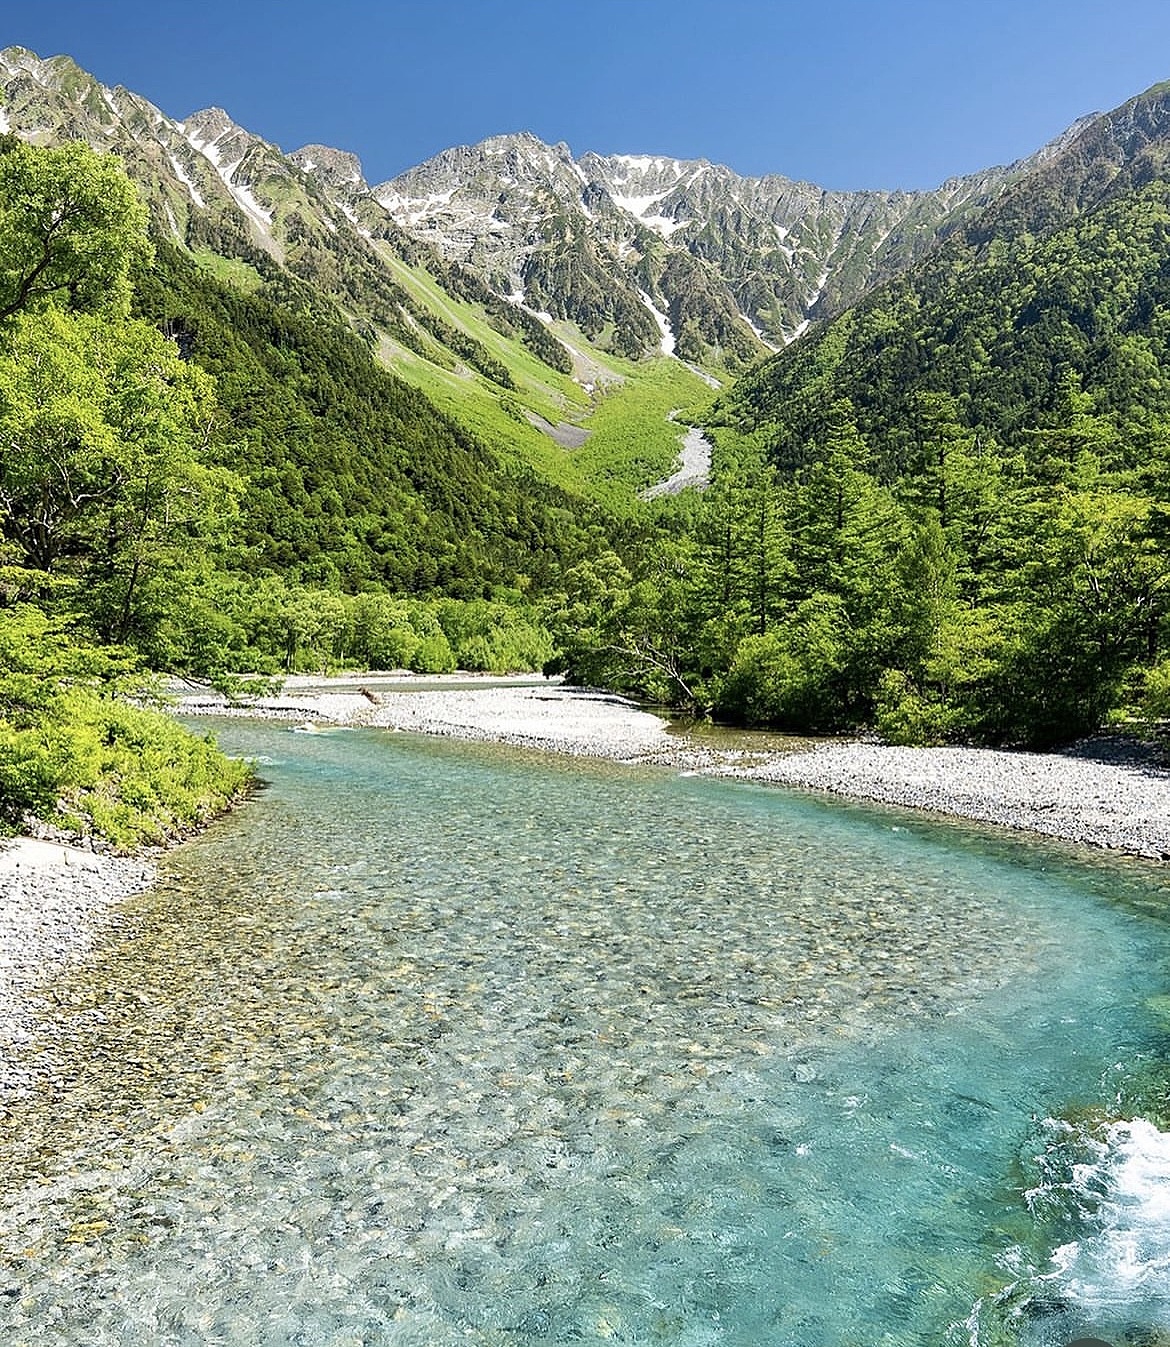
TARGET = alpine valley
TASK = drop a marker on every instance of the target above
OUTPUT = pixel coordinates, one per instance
(426, 419)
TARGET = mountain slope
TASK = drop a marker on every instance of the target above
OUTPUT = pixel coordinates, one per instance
(638, 253)
(515, 284)
(240, 206)
(1060, 283)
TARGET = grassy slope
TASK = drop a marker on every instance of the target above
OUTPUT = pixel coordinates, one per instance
(631, 441)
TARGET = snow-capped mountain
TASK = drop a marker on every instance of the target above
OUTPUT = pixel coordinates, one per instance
(774, 252)
(201, 167)
(642, 253)
(222, 192)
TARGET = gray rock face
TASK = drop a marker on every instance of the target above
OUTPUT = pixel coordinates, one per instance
(785, 252)
(337, 170)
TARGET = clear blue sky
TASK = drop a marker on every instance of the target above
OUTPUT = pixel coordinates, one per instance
(846, 93)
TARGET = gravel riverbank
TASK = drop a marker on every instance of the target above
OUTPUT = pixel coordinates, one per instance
(1120, 805)
(526, 711)
(54, 901)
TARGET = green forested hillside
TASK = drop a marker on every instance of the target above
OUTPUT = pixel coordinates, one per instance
(947, 513)
(207, 479)
(354, 478)
(1063, 278)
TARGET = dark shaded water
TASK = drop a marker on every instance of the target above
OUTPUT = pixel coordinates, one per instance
(440, 1043)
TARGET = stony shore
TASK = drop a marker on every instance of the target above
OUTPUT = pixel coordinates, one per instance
(54, 901)
(1102, 795)
(1120, 805)
(54, 898)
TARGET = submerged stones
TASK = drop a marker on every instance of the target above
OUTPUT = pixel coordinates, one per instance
(438, 1043)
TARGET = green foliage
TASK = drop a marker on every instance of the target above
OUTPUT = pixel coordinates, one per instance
(1155, 702)
(108, 512)
(995, 322)
(791, 676)
(265, 626)
(905, 714)
(103, 475)
(980, 599)
(632, 440)
(494, 637)
(134, 776)
(74, 752)
(71, 229)
(947, 513)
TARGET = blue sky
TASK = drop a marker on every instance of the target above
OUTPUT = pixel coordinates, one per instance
(846, 93)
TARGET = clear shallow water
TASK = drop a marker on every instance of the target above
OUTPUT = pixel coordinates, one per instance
(439, 1043)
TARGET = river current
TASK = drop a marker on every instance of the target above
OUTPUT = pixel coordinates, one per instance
(439, 1043)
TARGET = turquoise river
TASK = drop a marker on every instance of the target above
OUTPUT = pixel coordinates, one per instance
(439, 1043)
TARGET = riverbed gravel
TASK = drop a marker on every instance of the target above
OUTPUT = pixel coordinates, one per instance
(1097, 796)
(54, 902)
(542, 715)
(55, 899)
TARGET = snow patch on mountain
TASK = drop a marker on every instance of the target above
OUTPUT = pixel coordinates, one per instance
(244, 197)
(819, 288)
(663, 224)
(339, 170)
(649, 163)
(181, 174)
(410, 211)
(667, 342)
(520, 299)
(210, 149)
(19, 59)
(762, 337)
(352, 216)
(639, 205)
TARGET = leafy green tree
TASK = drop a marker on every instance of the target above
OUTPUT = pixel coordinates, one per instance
(72, 229)
(73, 751)
(743, 564)
(792, 675)
(103, 475)
(107, 510)
(1089, 586)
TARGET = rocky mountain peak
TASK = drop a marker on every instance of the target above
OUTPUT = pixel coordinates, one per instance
(641, 246)
(518, 159)
(211, 125)
(237, 155)
(338, 170)
(49, 73)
